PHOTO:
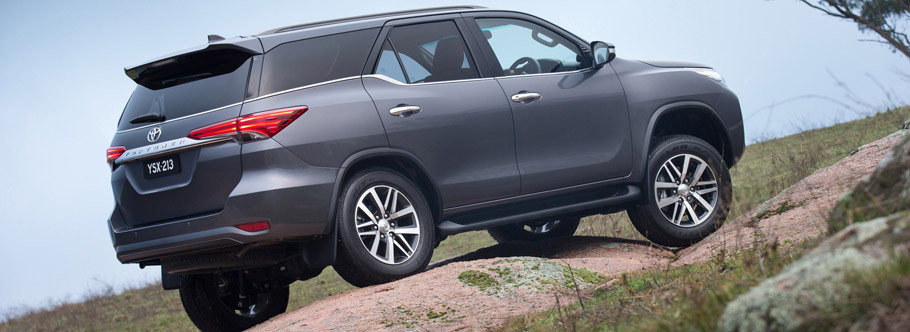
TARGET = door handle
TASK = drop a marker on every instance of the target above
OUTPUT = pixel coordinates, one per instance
(525, 97)
(404, 110)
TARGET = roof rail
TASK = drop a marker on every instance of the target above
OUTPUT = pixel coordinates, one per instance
(370, 16)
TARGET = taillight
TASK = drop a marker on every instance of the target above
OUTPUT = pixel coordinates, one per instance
(220, 129)
(255, 226)
(115, 152)
(253, 126)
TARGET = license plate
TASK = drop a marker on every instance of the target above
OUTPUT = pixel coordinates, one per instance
(163, 166)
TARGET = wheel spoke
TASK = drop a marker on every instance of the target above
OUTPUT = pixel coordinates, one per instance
(409, 251)
(692, 214)
(376, 200)
(367, 233)
(665, 185)
(369, 223)
(705, 191)
(673, 167)
(667, 171)
(703, 203)
(685, 168)
(389, 249)
(698, 172)
(667, 201)
(675, 210)
(706, 183)
(402, 213)
(388, 195)
(408, 230)
(366, 211)
(374, 248)
(394, 206)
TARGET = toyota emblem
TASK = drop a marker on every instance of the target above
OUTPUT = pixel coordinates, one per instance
(154, 134)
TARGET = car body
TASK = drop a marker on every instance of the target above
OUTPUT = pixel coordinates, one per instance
(485, 145)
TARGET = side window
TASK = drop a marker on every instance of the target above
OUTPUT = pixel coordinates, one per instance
(388, 64)
(523, 47)
(432, 52)
(315, 60)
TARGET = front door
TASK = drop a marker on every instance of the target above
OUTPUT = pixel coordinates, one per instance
(435, 106)
(571, 121)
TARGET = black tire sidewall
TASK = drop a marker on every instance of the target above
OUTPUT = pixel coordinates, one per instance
(353, 252)
(200, 299)
(671, 234)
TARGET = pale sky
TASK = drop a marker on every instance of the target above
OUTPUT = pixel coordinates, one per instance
(63, 89)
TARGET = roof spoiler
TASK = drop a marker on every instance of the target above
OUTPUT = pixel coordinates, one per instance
(249, 45)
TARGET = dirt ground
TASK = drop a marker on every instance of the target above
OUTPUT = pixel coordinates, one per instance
(529, 277)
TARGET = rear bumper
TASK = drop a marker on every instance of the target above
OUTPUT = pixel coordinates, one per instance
(276, 186)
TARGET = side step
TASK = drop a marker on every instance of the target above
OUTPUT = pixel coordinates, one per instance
(624, 195)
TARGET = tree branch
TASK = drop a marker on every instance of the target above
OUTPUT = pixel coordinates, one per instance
(822, 9)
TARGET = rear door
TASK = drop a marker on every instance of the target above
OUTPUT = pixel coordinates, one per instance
(571, 121)
(434, 105)
(164, 175)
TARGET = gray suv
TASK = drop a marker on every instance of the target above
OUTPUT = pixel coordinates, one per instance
(245, 164)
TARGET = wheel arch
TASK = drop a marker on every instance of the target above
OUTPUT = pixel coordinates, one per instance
(703, 122)
(399, 160)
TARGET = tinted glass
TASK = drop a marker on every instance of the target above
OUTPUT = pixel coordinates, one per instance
(316, 60)
(187, 98)
(523, 47)
(433, 52)
(416, 72)
(388, 64)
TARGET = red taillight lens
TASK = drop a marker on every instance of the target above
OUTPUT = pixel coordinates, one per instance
(115, 152)
(256, 125)
(269, 123)
(255, 226)
(223, 128)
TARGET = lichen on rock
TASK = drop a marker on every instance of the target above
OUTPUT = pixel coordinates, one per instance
(885, 191)
(818, 281)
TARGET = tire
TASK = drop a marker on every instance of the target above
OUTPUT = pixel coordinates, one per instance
(536, 230)
(360, 261)
(212, 301)
(661, 216)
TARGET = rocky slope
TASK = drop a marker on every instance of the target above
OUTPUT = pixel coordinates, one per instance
(484, 289)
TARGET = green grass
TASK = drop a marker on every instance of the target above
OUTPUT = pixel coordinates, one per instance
(765, 169)
(689, 298)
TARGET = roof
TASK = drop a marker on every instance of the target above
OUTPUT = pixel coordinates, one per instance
(403, 13)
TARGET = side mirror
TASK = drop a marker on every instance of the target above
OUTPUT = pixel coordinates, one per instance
(603, 53)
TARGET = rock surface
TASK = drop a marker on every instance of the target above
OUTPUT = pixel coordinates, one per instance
(818, 282)
(885, 191)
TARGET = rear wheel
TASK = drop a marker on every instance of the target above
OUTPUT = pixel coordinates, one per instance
(230, 301)
(536, 230)
(688, 192)
(385, 229)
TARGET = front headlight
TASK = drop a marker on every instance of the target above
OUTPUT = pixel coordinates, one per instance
(710, 73)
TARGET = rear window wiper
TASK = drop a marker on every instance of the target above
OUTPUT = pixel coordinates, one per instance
(151, 117)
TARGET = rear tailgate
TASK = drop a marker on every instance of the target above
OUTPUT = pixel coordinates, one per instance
(163, 175)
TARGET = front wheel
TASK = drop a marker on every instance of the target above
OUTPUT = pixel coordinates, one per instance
(230, 301)
(385, 229)
(687, 195)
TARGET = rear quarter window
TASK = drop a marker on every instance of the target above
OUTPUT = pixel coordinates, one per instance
(316, 60)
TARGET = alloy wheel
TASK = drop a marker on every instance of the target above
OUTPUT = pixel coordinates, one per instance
(685, 190)
(387, 224)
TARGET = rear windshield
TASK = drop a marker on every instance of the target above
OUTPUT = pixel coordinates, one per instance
(188, 88)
